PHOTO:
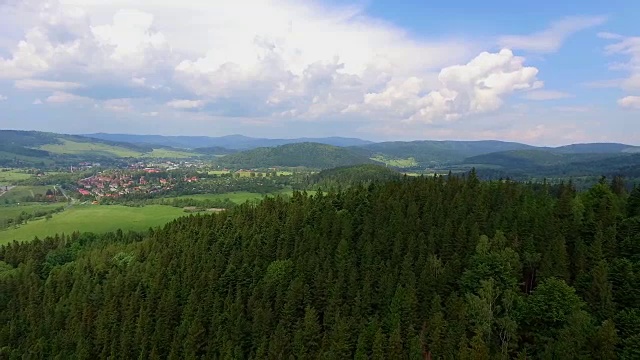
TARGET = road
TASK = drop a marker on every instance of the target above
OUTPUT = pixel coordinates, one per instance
(2, 192)
(70, 201)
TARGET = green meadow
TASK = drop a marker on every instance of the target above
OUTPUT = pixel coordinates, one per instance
(18, 193)
(96, 219)
(11, 176)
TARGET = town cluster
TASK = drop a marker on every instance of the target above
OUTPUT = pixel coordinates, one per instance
(120, 183)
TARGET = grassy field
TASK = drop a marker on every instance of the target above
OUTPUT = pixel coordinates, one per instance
(12, 211)
(400, 163)
(11, 176)
(171, 154)
(18, 193)
(94, 218)
(237, 197)
(73, 147)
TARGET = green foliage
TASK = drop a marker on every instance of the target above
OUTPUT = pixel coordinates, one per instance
(403, 269)
(351, 175)
(311, 155)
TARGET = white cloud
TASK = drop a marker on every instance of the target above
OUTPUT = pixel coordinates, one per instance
(283, 60)
(630, 102)
(35, 84)
(65, 40)
(118, 105)
(541, 95)
(3, 98)
(150, 114)
(628, 47)
(61, 97)
(37, 102)
(185, 104)
(478, 87)
(551, 39)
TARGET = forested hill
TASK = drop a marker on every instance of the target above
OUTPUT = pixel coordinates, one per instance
(349, 175)
(312, 155)
(407, 269)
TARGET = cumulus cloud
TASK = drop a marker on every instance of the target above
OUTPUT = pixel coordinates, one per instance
(541, 95)
(37, 102)
(65, 40)
(185, 104)
(631, 102)
(282, 61)
(477, 87)
(552, 38)
(61, 97)
(34, 84)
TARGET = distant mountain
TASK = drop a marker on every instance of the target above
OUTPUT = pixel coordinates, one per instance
(38, 148)
(597, 148)
(214, 150)
(523, 159)
(428, 151)
(234, 142)
(312, 155)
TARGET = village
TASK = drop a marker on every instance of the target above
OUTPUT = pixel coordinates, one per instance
(117, 183)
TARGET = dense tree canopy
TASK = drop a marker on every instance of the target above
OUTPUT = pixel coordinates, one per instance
(405, 269)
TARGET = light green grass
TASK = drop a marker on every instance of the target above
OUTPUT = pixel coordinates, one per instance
(400, 163)
(218, 172)
(12, 211)
(170, 154)
(96, 219)
(237, 197)
(18, 193)
(73, 147)
(12, 176)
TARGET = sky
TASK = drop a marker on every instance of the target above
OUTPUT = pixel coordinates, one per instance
(543, 72)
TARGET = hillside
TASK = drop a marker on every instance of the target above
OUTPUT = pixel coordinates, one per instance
(348, 175)
(430, 152)
(597, 148)
(521, 159)
(425, 268)
(311, 155)
(214, 150)
(234, 142)
(32, 147)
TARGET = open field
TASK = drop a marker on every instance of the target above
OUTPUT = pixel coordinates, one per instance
(11, 176)
(237, 197)
(73, 147)
(171, 154)
(400, 163)
(12, 211)
(18, 193)
(94, 218)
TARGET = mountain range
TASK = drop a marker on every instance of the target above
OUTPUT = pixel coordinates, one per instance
(232, 142)
(491, 158)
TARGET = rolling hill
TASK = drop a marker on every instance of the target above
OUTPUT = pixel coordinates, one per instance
(430, 152)
(312, 155)
(33, 147)
(233, 142)
(347, 175)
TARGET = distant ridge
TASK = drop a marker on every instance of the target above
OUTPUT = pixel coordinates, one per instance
(233, 142)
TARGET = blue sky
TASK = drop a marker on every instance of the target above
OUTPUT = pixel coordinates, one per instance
(541, 72)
